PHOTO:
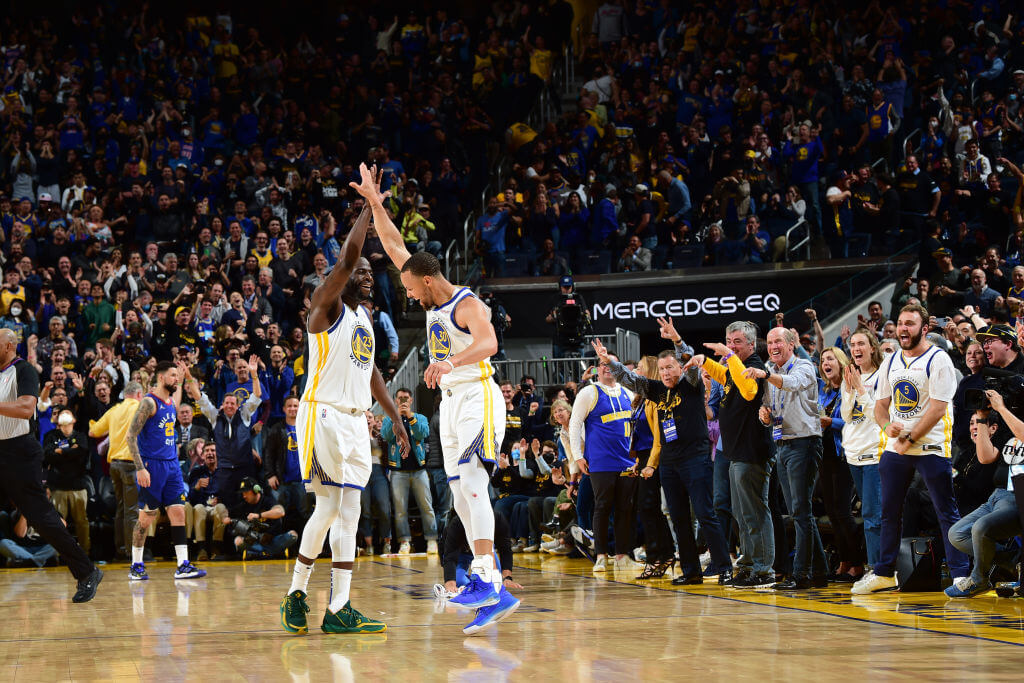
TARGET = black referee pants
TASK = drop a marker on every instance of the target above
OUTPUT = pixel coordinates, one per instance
(21, 481)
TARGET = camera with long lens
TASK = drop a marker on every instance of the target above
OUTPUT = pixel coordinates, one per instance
(1007, 384)
(251, 532)
(571, 321)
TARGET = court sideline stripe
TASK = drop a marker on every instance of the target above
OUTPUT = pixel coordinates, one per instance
(786, 607)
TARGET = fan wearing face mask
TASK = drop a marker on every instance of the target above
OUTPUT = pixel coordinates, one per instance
(19, 320)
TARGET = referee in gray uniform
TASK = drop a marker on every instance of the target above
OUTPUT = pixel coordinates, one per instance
(21, 464)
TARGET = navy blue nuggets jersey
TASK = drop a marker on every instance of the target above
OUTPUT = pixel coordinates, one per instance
(156, 440)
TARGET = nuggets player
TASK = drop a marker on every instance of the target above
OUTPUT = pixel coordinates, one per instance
(914, 407)
(334, 442)
(461, 340)
(151, 444)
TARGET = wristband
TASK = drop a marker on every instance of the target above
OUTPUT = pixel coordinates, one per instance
(886, 425)
(910, 440)
(726, 358)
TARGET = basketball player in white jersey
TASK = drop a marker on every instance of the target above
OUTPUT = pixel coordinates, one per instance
(334, 442)
(914, 405)
(461, 340)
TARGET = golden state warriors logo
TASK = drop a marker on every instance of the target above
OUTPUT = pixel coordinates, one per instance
(876, 121)
(801, 154)
(362, 346)
(906, 398)
(293, 444)
(438, 341)
(857, 416)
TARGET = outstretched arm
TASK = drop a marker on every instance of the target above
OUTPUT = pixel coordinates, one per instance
(390, 237)
(329, 291)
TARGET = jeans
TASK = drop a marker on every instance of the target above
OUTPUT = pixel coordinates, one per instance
(294, 499)
(869, 488)
(749, 485)
(810, 192)
(442, 494)
(277, 545)
(799, 460)
(376, 505)
(505, 507)
(687, 483)
(896, 472)
(37, 553)
(420, 484)
(519, 523)
(977, 533)
(721, 497)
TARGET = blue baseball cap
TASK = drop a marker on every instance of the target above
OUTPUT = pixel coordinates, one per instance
(566, 281)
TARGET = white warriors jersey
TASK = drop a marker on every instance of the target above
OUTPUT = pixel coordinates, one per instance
(912, 384)
(445, 338)
(340, 362)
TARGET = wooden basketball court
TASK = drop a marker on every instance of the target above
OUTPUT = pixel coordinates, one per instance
(571, 626)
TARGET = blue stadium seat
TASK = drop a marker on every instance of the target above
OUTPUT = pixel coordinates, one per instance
(517, 264)
(730, 253)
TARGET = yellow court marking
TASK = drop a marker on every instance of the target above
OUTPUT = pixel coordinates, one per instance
(985, 617)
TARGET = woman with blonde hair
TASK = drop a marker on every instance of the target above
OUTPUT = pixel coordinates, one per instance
(836, 480)
(861, 434)
(646, 448)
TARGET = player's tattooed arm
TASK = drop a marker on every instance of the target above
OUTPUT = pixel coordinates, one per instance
(146, 410)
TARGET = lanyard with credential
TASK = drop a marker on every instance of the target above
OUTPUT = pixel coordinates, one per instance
(778, 404)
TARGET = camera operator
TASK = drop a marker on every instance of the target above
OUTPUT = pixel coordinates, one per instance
(998, 518)
(500, 320)
(255, 523)
(569, 314)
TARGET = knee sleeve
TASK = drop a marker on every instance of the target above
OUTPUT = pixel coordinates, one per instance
(473, 481)
(324, 515)
(345, 526)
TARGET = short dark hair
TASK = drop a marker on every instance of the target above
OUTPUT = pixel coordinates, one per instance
(403, 389)
(872, 303)
(422, 264)
(163, 366)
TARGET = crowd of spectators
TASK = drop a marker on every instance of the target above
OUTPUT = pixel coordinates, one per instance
(174, 190)
(702, 133)
(174, 187)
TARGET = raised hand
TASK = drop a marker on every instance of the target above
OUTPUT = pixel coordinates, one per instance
(668, 330)
(717, 348)
(696, 361)
(601, 352)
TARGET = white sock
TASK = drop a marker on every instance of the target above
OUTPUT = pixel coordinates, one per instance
(181, 553)
(483, 566)
(300, 577)
(137, 554)
(341, 587)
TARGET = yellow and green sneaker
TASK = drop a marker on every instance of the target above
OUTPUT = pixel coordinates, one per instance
(293, 613)
(348, 620)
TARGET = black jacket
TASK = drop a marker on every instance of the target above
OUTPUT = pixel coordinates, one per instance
(69, 469)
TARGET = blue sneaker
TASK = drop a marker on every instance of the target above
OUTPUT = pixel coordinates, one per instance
(492, 614)
(138, 572)
(965, 587)
(187, 570)
(477, 593)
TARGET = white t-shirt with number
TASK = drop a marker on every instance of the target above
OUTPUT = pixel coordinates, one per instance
(912, 384)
